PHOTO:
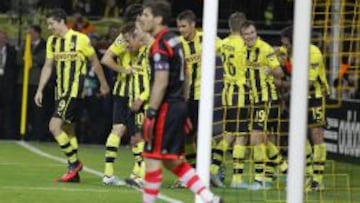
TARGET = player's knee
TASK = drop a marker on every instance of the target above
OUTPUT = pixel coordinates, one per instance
(317, 135)
(257, 137)
(55, 127)
(118, 130)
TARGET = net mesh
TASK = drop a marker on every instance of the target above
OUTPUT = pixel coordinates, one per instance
(335, 29)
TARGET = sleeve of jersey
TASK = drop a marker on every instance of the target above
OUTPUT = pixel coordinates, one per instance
(86, 47)
(322, 71)
(272, 59)
(161, 58)
(49, 49)
(144, 96)
(218, 44)
(118, 47)
(315, 64)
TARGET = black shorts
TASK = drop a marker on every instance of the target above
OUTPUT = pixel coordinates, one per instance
(316, 112)
(121, 111)
(260, 112)
(274, 116)
(237, 120)
(193, 112)
(67, 108)
(169, 135)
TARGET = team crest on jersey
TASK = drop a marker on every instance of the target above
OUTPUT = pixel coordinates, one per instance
(119, 40)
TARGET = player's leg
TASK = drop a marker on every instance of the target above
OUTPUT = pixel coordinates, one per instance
(138, 170)
(69, 128)
(240, 146)
(188, 176)
(275, 159)
(120, 116)
(219, 152)
(66, 112)
(153, 179)
(190, 144)
(239, 152)
(63, 140)
(309, 167)
(316, 123)
(319, 157)
(258, 140)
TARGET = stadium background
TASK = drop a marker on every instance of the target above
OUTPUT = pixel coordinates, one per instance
(343, 132)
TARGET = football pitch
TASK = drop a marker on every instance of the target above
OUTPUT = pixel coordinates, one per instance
(28, 170)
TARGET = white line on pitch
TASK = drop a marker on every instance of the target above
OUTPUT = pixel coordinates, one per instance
(86, 169)
(53, 189)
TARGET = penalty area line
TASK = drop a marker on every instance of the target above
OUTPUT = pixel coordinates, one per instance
(86, 169)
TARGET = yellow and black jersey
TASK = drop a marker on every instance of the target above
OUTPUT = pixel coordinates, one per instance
(124, 59)
(192, 51)
(69, 54)
(259, 58)
(317, 74)
(123, 83)
(235, 91)
(140, 81)
(119, 46)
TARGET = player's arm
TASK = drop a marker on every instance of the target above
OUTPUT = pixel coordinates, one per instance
(109, 60)
(44, 78)
(104, 87)
(161, 80)
(88, 50)
(274, 67)
(45, 72)
(218, 44)
(144, 95)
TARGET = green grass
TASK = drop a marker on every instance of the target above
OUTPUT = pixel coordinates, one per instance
(28, 177)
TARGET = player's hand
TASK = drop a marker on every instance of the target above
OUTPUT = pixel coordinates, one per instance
(136, 139)
(149, 124)
(136, 68)
(188, 127)
(130, 71)
(135, 107)
(267, 71)
(38, 98)
(104, 89)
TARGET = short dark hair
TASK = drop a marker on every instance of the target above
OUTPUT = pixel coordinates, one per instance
(187, 15)
(57, 14)
(247, 24)
(132, 12)
(236, 20)
(160, 8)
(287, 33)
(36, 28)
(128, 27)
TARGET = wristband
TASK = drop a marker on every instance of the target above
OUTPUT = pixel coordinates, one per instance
(151, 113)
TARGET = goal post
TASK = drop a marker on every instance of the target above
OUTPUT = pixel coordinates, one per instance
(298, 102)
(207, 91)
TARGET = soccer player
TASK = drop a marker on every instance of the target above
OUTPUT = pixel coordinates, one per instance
(67, 50)
(191, 40)
(263, 69)
(165, 117)
(318, 89)
(122, 114)
(236, 102)
(138, 42)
